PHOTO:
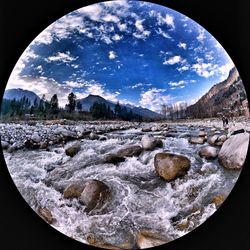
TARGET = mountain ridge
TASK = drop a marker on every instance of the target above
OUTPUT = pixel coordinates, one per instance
(223, 97)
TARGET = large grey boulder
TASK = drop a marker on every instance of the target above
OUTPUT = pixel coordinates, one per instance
(233, 152)
(208, 152)
(72, 148)
(95, 195)
(129, 151)
(149, 142)
(170, 166)
(197, 140)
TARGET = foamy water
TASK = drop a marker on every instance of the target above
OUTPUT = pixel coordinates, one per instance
(140, 199)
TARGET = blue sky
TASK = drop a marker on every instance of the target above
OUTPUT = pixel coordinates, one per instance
(132, 51)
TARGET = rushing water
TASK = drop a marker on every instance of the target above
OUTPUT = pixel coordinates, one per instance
(140, 199)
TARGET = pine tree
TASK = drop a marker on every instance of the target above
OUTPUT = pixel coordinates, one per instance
(72, 102)
(117, 109)
(54, 107)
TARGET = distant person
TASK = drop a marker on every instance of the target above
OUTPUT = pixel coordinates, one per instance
(223, 121)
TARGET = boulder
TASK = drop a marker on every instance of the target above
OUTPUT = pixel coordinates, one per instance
(213, 139)
(129, 151)
(147, 239)
(113, 158)
(222, 138)
(46, 214)
(202, 133)
(5, 145)
(196, 140)
(44, 145)
(208, 152)
(146, 130)
(94, 195)
(155, 128)
(209, 168)
(93, 136)
(73, 191)
(103, 138)
(170, 166)
(36, 138)
(218, 200)
(148, 142)
(233, 151)
(72, 148)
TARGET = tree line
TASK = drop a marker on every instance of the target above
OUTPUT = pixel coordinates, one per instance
(49, 109)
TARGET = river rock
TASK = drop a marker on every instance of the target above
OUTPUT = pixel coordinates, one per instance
(95, 195)
(197, 140)
(113, 158)
(146, 130)
(213, 139)
(129, 151)
(72, 148)
(202, 133)
(209, 167)
(233, 151)
(170, 166)
(155, 128)
(103, 138)
(148, 142)
(46, 214)
(93, 136)
(208, 152)
(5, 145)
(222, 138)
(73, 191)
(44, 145)
(218, 200)
(36, 138)
(147, 239)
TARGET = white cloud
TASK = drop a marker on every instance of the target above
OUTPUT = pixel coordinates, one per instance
(168, 20)
(183, 68)
(61, 57)
(111, 18)
(92, 11)
(182, 45)
(140, 33)
(122, 26)
(177, 83)
(207, 70)
(163, 33)
(41, 85)
(173, 60)
(224, 69)
(201, 36)
(60, 29)
(153, 99)
(137, 85)
(73, 84)
(116, 37)
(112, 55)
(98, 89)
(138, 25)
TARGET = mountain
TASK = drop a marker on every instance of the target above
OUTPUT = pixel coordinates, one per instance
(224, 97)
(88, 101)
(17, 94)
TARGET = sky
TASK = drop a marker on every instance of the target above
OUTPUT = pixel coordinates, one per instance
(136, 52)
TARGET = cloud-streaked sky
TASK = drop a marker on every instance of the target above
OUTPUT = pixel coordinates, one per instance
(136, 52)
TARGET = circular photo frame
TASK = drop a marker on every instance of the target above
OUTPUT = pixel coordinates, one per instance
(131, 123)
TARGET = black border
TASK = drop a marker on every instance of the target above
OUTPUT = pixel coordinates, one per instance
(21, 21)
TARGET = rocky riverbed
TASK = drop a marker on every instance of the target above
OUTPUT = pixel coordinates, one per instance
(122, 185)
